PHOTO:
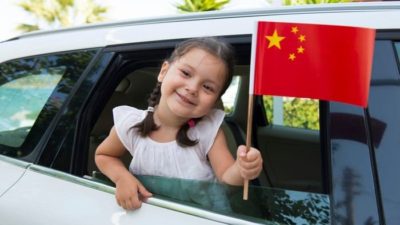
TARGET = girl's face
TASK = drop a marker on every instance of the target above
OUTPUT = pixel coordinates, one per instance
(192, 83)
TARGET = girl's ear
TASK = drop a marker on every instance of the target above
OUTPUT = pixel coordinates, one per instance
(163, 71)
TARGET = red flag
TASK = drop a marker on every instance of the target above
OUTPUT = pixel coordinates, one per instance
(314, 61)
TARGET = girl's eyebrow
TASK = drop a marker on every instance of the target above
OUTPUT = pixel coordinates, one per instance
(187, 65)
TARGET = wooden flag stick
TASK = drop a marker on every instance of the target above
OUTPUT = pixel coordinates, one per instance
(248, 140)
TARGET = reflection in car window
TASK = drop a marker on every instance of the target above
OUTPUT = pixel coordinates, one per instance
(397, 45)
(32, 90)
(265, 205)
(23, 98)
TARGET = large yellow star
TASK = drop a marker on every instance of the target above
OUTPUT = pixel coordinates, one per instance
(275, 40)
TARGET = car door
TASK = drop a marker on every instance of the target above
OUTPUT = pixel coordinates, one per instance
(365, 144)
(25, 86)
(129, 79)
(44, 196)
(336, 148)
(12, 171)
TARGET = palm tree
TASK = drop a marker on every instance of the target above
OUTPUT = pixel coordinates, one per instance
(305, 2)
(201, 5)
(60, 13)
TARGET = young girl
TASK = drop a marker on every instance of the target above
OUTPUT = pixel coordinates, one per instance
(179, 134)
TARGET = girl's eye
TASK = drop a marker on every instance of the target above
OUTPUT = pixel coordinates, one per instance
(185, 73)
(208, 88)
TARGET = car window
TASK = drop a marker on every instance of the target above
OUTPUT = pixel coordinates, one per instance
(264, 204)
(397, 46)
(22, 100)
(383, 121)
(32, 90)
(292, 159)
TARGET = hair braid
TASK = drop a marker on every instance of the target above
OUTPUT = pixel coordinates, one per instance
(148, 125)
(182, 137)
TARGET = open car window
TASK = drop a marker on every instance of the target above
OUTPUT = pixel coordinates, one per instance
(290, 189)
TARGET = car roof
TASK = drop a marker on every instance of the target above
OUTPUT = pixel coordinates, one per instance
(380, 15)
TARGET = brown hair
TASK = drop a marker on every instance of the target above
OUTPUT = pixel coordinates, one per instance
(214, 46)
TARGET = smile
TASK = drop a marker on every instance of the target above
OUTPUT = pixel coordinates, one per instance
(184, 99)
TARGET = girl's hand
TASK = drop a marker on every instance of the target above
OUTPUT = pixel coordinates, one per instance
(250, 163)
(130, 192)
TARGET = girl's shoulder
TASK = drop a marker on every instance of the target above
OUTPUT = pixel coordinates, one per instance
(214, 116)
(129, 114)
(207, 128)
(212, 120)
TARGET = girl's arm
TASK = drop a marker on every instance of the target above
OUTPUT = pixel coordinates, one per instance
(246, 166)
(108, 160)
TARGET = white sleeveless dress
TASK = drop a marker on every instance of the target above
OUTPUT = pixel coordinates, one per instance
(168, 159)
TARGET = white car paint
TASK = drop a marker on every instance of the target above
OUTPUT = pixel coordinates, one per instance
(185, 26)
(11, 171)
(66, 201)
(31, 194)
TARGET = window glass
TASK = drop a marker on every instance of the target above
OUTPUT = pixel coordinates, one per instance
(292, 112)
(264, 205)
(384, 124)
(32, 91)
(22, 100)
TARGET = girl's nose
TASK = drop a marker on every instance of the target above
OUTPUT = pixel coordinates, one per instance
(192, 88)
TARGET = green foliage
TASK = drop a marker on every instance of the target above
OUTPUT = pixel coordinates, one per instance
(201, 5)
(60, 13)
(297, 112)
(302, 113)
(268, 100)
(307, 2)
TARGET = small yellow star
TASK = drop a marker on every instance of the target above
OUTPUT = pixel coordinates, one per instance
(300, 49)
(302, 38)
(292, 56)
(295, 30)
(275, 40)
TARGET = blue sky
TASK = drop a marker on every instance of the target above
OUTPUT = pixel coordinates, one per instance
(11, 15)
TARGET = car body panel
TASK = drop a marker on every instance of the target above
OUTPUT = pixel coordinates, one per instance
(33, 194)
(182, 27)
(62, 199)
(11, 171)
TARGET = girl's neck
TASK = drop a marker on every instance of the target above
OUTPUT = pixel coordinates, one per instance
(168, 126)
(168, 120)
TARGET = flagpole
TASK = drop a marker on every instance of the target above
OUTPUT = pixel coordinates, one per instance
(248, 140)
(250, 103)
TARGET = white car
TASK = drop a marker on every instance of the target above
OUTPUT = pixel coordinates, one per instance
(57, 88)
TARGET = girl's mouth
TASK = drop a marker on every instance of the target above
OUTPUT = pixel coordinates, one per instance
(184, 99)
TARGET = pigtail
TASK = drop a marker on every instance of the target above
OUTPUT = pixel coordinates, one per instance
(148, 125)
(182, 137)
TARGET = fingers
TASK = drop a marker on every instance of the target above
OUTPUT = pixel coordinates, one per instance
(251, 155)
(129, 203)
(129, 195)
(144, 192)
(250, 163)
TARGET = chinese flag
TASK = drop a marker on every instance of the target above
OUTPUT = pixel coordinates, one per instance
(314, 61)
